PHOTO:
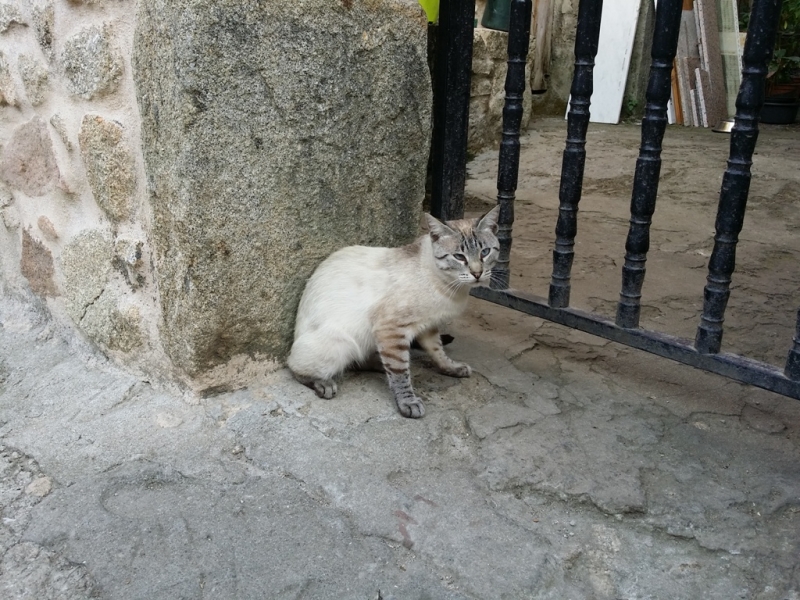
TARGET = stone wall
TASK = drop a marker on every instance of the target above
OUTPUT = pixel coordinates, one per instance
(562, 59)
(74, 212)
(487, 94)
(172, 172)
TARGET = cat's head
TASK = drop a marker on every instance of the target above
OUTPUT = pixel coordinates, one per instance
(465, 250)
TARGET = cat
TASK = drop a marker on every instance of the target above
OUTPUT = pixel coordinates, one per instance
(364, 303)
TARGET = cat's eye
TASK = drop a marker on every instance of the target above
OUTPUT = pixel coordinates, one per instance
(485, 252)
(460, 257)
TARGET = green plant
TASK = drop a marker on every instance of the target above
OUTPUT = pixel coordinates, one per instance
(790, 16)
(783, 68)
(744, 14)
(785, 64)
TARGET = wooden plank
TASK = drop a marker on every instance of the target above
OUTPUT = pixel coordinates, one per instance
(687, 40)
(617, 31)
(676, 96)
(690, 64)
(702, 92)
(687, 48)
(715, 110)
(715, 92)
(731, 51)
(695, 115)
(698, 18)
(685, 90)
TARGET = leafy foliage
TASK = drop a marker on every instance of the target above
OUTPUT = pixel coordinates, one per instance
(785, 64)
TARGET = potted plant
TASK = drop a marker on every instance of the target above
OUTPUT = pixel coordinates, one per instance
(783, 78)
(782, 93)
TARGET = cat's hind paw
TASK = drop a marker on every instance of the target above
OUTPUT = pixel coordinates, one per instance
(457, 369)
(411, 407)
(325, 388)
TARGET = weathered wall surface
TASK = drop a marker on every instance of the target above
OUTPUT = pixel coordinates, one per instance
(562, 59)
(173, 171)
(74, 217)
(274, 133)
(487, 93)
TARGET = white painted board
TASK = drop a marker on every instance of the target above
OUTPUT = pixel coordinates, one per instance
(731, 49)
(617, 30)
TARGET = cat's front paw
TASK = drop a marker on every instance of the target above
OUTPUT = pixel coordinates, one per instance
(325, 389)
(411, 407)
(458, 369)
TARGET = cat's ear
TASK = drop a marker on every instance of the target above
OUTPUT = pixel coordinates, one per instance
(436, 228)
(489, 220)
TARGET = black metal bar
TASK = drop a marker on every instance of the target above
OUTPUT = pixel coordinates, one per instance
(452, 72)
(792, 370)
(736, 181)
(648, 165)
(730, 365)
(508, 161)
(572, 165)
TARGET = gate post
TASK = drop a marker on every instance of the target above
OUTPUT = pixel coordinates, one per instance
(452, 74)
(736, 181)
(572, 165)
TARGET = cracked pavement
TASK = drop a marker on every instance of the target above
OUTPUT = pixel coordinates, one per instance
(567, 467)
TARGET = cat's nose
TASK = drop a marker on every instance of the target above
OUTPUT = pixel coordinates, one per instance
(477, 275)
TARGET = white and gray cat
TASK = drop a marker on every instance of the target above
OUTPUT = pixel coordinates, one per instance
(362, 302)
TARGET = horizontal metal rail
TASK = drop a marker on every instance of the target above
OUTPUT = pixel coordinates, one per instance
(735, 367)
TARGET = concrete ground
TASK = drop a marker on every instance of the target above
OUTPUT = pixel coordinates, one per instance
(567, 467)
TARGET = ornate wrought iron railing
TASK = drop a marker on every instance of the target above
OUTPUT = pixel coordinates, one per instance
(705, 352)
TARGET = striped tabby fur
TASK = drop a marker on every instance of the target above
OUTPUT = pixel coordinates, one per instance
(366, 303)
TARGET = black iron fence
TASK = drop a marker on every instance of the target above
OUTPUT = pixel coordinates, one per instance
(452, 94)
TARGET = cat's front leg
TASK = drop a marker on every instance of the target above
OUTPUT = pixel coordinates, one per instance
(394, 349)
(431, 342)
(408, 403)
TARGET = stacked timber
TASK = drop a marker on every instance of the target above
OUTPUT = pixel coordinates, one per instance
(701, 95)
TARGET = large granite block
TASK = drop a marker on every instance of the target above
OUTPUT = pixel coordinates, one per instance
(273, 134)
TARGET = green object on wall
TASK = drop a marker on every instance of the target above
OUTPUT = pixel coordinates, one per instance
(497, 15)
(431, 8)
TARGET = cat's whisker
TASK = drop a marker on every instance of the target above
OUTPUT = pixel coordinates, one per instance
(453, 287)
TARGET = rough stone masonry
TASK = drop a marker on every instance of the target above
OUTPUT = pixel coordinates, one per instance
(172, 172)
